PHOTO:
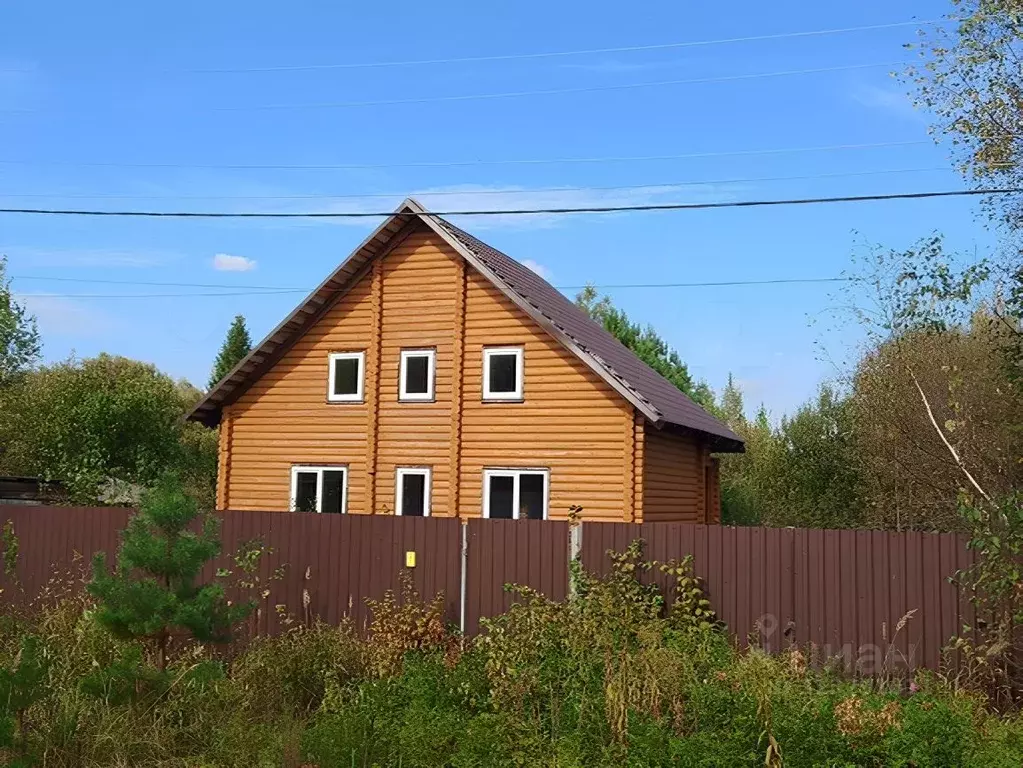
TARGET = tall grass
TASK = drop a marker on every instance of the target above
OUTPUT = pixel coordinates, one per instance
(604, 679)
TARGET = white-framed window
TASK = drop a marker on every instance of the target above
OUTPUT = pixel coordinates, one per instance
(417, 374)
(347, 372)
(514, 494)
(412, 491)
(319, 489)
(502, 373)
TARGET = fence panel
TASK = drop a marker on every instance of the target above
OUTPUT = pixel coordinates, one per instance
(532, 553)
(327, 565)
(879, 599)
(55, 547)
(874, 597)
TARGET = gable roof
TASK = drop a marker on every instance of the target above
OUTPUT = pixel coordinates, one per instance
(656, 398)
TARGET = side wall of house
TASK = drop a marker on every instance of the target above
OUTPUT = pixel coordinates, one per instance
(422, 294)
(674, 478)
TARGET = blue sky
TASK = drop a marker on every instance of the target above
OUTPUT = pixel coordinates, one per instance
(117, 106)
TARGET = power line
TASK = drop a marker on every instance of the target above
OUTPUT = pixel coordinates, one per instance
(266, 290)
(470, 163)
(523, 94)
(582, 52)
(665, 186)
(556, 91)
(521, 211)
(548, 54)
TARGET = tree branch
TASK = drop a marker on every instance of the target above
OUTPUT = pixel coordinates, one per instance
(951, 449)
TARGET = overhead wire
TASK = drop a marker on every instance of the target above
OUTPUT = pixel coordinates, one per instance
(554, 91)
(519, 211)
(544, 54)
(577, 52)
(468, 190)
(267, 290)
(470, 163)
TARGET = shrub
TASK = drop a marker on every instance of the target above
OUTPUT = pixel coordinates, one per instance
(290, 675)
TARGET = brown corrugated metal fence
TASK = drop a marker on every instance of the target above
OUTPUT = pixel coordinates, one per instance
(845, 592)
(331, 563)
(532, 553)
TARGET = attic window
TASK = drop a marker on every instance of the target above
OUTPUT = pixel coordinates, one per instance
(417, 374)
(346, 375)
(502, 373)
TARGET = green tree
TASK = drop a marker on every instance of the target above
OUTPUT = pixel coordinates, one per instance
(90, 423)
(234, 349)
(970, 79)
(804, 472)
(153, 593)
(645, 342)
(935, 398)
(742, 473)
(815, 478)
(20, 346)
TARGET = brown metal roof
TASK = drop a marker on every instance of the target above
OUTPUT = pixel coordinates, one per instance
(656, 397)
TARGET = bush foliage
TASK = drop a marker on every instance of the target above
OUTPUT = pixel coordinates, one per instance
(607, 678)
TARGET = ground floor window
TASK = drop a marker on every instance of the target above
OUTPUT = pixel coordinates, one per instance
(514, 494)
(412, 491)
(319, 489)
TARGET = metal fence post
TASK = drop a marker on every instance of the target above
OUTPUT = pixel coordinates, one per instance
(575, 548)
(465, 571)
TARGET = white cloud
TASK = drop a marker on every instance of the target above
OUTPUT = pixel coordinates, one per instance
(540, 269)
(59, 315)
(225, 262)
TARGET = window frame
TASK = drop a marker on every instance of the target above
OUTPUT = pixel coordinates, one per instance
(430, 353)
(359, 395)
(399, 475)
(519, 393)
(319, 469)
(516, 473)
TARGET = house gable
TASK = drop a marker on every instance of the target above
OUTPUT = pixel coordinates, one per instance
(423, 294)
(650, 393)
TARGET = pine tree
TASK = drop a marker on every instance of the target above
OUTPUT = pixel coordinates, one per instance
(645, 342)
(153, 592)
(235, 347)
